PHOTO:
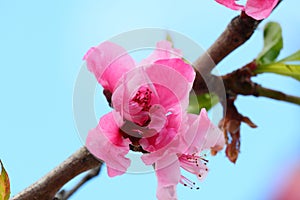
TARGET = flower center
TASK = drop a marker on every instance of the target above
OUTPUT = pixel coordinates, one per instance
(143, 98)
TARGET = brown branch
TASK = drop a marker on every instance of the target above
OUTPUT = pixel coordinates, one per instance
(238, 31)
(50, 184)
(64, 194)
(239, 82)
(273, 94)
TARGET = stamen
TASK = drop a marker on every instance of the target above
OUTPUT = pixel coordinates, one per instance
(143, 98)
(193, 159)
(188, 183)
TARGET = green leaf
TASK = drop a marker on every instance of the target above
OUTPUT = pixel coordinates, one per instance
(202, 101)
(4, 184)
(273, 43)
(294, 57)
(280, 68)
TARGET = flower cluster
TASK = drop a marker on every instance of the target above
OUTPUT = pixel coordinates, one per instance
(150, 100)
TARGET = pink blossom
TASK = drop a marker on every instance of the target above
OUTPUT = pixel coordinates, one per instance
(185, 152)
(257, 9)
(147, 99)
(150, 100)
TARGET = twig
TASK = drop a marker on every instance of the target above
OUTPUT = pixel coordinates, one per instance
(273, 94)
(238, 31)
(64, 195)
(239, 82)
(50, 184)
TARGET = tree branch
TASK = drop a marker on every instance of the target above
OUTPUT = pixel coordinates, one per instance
(238, 31)
(50, 184)
(273, 94)
(239, 82)
(64, 195)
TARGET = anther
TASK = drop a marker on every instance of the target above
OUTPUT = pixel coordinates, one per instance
(188, 183)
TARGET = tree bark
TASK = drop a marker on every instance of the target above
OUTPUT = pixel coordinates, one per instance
(49, 185)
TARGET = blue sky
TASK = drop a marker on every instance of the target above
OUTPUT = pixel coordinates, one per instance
(41, 50)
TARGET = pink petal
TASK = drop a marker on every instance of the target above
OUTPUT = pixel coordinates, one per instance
(202, 134)
(108, 62)
(214, 138)
(106, 143)
(159, 151)
(158, 141)
(260, 9)
(168, 176)
(173, 81)
(166, 193)
(165, 141)
(194, 137)
(230, 4)
(178, 64)
(164, 50)
(158, 118)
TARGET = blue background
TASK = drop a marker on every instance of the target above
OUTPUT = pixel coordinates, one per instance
(41, 48)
